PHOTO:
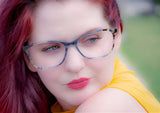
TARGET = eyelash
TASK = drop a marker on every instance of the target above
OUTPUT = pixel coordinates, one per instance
(49, 48)
(88, 40)
(92, 39)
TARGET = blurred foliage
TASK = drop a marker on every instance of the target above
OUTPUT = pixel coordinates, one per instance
(156, 1)
(141, 46)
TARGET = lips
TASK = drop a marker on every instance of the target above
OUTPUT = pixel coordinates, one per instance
(78, 83)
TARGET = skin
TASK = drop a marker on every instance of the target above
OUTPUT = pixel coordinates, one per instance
(111, 100)
(67, 21)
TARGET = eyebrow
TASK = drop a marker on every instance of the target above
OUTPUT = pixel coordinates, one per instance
(81, 34)
(93, 29)
(90, 30)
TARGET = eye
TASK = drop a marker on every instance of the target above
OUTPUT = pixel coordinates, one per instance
(51, 48)
(92, 39)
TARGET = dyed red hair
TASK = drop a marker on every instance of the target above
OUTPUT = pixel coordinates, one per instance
(21, 91)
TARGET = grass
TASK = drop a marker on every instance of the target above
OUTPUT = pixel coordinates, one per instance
(141, 46)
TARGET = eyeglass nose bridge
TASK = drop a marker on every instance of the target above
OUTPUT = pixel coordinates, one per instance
(67, 44)
(74, 43)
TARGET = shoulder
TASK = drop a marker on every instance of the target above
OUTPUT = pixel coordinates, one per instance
(110, 100)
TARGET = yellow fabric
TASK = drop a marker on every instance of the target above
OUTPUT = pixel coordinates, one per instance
(56, 108)
(125, 80)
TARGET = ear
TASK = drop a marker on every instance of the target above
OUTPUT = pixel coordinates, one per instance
(118, 38)
(29, 64)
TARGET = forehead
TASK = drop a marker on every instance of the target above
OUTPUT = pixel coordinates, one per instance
(54, 20)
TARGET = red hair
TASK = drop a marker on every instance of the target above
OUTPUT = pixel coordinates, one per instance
(21, 91)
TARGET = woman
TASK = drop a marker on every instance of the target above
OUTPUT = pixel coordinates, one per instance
(60, 55)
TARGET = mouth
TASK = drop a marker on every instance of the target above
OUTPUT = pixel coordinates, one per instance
(78, 83)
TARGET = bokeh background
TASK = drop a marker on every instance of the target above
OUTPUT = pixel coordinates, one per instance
(140, 47)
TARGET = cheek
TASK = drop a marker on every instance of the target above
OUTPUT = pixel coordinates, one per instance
(103, 69)
(49, 78)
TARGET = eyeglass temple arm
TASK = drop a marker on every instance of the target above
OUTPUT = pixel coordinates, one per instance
(113, 30)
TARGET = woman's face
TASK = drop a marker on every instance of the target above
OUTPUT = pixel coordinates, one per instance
(77, 78)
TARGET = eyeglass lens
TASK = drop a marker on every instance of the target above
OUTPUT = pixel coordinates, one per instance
(51, 54)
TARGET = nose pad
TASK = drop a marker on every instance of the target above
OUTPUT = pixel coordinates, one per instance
(74, 61)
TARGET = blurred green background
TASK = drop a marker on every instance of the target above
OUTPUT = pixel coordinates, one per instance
(141, 47)
(141, 41)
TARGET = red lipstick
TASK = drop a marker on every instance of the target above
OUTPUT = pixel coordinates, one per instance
(78, 83)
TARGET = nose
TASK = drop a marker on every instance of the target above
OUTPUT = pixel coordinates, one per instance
(74, 61)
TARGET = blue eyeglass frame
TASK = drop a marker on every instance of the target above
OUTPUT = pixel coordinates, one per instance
(67, 44)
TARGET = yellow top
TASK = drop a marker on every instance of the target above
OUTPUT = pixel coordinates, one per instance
(125, 80)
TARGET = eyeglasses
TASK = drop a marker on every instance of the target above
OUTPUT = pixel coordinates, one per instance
(92, 45)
